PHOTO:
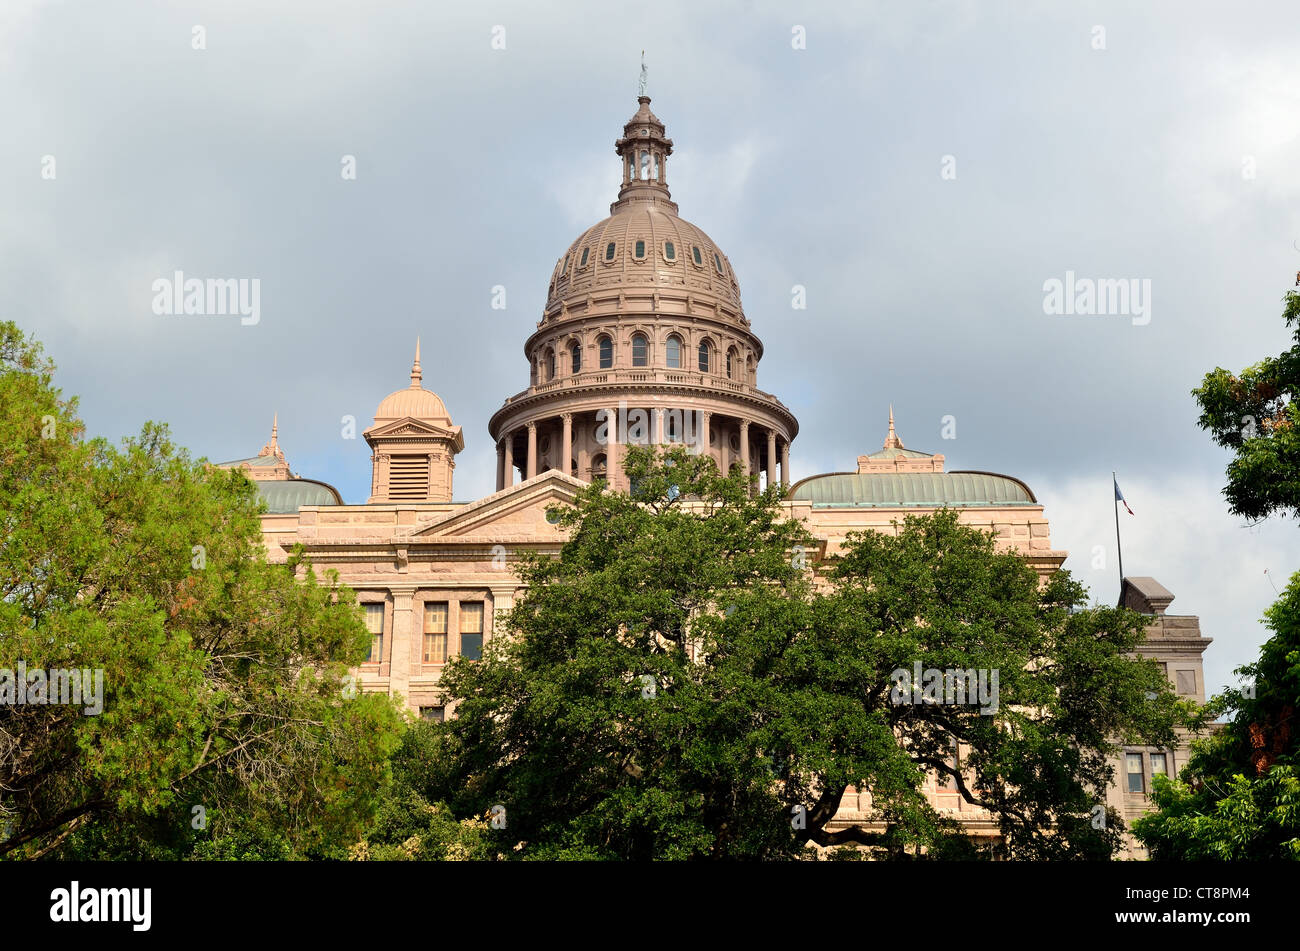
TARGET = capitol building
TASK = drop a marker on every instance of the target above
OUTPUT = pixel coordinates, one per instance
(643, 339)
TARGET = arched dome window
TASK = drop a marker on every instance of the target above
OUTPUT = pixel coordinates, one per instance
(575, 357)
(731, 364)
(598, 466)
(673, 352)
(640, 350)
(550, 365)
(706, 356)
(606, 346)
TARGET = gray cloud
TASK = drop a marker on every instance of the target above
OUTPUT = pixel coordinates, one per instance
(818, 167)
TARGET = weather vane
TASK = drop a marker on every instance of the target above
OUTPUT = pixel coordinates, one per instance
(641, 85)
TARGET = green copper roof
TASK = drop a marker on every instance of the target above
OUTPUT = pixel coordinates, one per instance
(851, 489)
(286, 496)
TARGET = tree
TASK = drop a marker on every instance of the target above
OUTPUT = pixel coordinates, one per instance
(223, 709)
(1239, 795)
(677, 687)
(1238, 798)
(1255, 414)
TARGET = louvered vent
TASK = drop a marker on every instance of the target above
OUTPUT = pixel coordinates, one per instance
(408, 478)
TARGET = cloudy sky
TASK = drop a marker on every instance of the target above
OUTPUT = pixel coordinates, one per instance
(1157, 144)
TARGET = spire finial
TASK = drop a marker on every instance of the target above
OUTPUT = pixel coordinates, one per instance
(416, 373)
(892, 441)
(640, 90)
(273, 447)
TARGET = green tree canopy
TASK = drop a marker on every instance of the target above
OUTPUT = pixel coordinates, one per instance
(679, 687)
(1238, 798)
(222, 674)
(1255, 414)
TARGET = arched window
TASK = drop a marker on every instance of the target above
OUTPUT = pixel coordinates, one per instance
(673, 352)
(550, 365)
(564, 269)
(638, 250)
(609, 251)
(598, 466)
(583, 262)
(695, 253)
(606, 353)
(670, 252)
(706, 355)
(575, 357)
(640, 350)
(731, 364)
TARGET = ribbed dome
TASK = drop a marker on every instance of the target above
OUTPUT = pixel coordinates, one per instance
(658, 265)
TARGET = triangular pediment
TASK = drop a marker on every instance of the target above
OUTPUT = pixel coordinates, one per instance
(519, 511)
(412, 427)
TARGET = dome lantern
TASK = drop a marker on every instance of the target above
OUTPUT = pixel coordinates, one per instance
(644, 151)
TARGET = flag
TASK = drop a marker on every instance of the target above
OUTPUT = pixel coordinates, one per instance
(1119, 496)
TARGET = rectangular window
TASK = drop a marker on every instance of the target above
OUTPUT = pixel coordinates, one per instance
(434, 714)
(1186, 682)
(471, 629)
(1135, 781)
(1157, 764)
(375, 625)
(640, 250)
(435, 632)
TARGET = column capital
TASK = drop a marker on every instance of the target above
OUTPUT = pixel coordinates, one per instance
(566, 417)
(532, 426)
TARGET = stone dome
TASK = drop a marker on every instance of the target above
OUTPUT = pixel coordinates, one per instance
(413, 401)
(418, 403)
(651, 247)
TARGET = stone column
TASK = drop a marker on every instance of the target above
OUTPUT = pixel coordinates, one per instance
(510, 460)
(785, 461)
(771, 458)
(532, 450)
(566, 444)
(702, 433)
(658, 435)
(403, 636)
(503, 600)
(744, 445)
(501, 465)
(611, 448)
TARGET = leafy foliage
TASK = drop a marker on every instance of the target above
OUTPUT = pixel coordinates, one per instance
(679, 687)
(222, 672)
(1239, 796)
(1256, 416)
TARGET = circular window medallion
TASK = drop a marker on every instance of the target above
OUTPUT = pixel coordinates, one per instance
(735, 443)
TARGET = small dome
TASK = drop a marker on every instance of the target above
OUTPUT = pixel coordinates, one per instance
(414, 401)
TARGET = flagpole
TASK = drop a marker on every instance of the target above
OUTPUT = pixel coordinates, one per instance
(1119, 548)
